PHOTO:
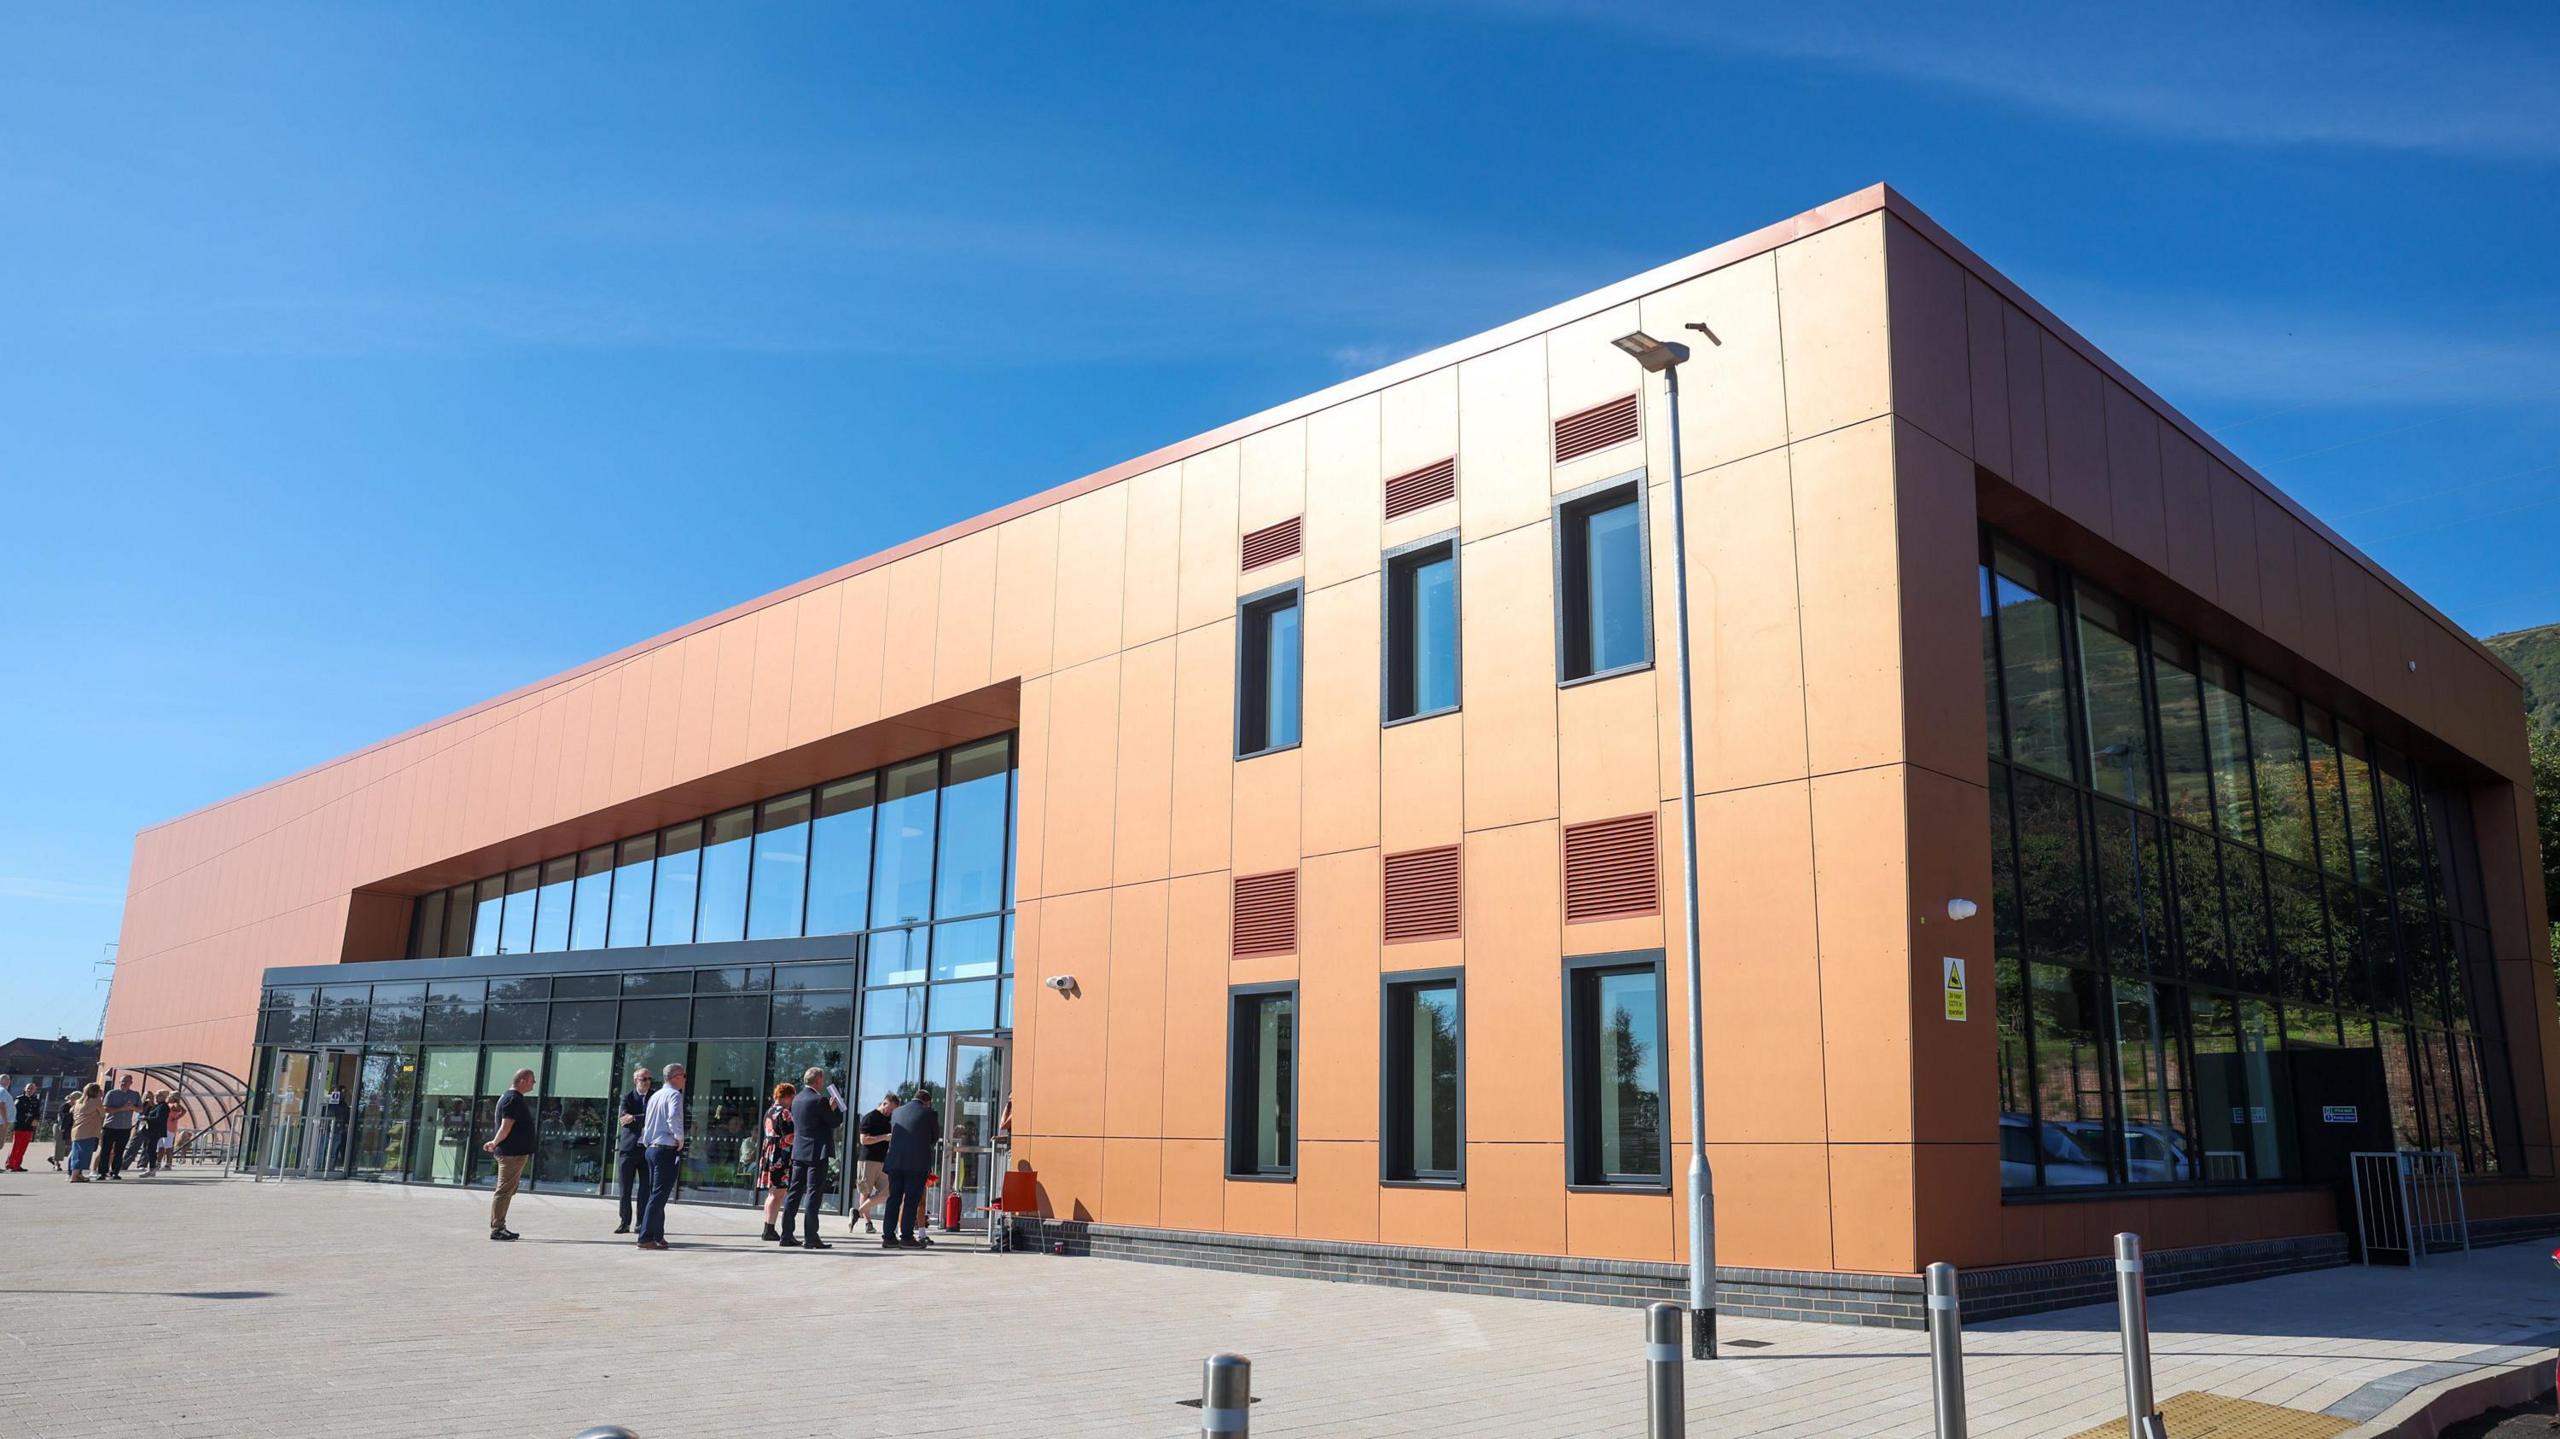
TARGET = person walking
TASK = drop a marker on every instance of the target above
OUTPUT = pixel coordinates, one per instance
(513, 1146)
(662, 1143)
(63, 1105)
(814, 1117)
(773, 1161)
(629, 1158)
(871, 1181)
(123, 1105)
(154, 1132)
(913, 1132)
(88, 1122)
(24, 1110)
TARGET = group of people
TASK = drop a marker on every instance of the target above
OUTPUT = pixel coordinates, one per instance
(100, 1128)
(898, 1140)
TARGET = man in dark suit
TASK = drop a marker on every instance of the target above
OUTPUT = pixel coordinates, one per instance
(815, 1112)
(913, 1132)
(630, 1159)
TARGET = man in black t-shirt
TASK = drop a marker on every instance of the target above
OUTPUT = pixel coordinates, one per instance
(871, 1179)
(513, 1146)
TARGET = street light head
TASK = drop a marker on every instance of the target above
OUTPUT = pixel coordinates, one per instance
(1655, 355)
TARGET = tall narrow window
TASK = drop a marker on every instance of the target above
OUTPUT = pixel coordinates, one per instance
(426, 926)
(2112, 713)
(2182, 745)
(679, 878)
(976, 794)
(840, 857)
(2031, 673)
(1421, 642)
(1422, 1116)
(515, 930)
(1604, 617)
(726, 843)
(592, 910)
(2235, 801)
(551, 909)
(1267, 664)
(1617, 1123)
(1262, 1082)
(457, 922)
(631, 891)
(489, 903)
(781, 867)
(902, 866)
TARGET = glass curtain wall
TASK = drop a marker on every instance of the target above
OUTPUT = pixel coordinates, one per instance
(894, 847)
(2197, 876)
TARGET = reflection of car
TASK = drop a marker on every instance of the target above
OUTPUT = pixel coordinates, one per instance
(2153, 1153)
(2065, 1162)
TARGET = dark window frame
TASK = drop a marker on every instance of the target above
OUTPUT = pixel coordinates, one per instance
(1395, 570)
(1239, 998)
(1577, 1097)
(1252, 610)
(1396, 1170)
(1569, 516)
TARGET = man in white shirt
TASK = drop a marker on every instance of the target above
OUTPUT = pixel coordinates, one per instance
(661, 1146)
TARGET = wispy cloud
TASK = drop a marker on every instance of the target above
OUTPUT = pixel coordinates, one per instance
(57, 891)
(2250, 73)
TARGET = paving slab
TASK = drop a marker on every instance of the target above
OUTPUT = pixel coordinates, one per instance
(207, 1306)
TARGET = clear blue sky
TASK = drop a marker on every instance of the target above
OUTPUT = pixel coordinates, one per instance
(360, 362)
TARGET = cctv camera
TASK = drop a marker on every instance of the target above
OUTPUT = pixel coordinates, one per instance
(1062, 983)
(1960, 909)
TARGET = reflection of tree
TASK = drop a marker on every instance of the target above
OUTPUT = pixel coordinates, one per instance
(1639, 1102)
(1444, 1088)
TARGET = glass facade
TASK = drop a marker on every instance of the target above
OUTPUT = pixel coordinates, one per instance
(2216, 910)
(881, 1014)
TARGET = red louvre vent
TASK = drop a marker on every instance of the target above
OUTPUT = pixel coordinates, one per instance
(1610, 869)
(1589, 431)
(1271, 544)
(1422, 895)
(1418, 489)
(1266, 920)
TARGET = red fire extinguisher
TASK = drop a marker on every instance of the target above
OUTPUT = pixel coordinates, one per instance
(951, 1211)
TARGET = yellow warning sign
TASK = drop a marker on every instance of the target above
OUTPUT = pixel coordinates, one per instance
(1955, 988)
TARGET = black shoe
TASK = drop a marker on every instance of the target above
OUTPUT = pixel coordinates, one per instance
(814, 1244)
(770, 1234)
(502, 1234)
(622, 1228)
(914, 1244)
(888, 1241)
(788, 1242)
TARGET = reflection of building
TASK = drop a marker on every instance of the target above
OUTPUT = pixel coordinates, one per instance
(53, 1064)
(1348, 897)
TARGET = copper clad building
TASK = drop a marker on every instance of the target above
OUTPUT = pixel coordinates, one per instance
(1282, 823)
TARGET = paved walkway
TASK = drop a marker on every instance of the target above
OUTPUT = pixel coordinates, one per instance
(202, 1306)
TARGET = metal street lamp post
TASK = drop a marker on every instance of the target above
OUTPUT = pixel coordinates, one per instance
(1663, 357)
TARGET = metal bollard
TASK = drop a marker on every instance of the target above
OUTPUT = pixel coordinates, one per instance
(2141, 1416)
(1226, 1394)
(1946, 1351)
(607, 1431)
(1666, 1408)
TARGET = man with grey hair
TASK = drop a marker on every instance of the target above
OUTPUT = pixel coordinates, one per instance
(513, 1146)
(815, 1113)
(662, 1143)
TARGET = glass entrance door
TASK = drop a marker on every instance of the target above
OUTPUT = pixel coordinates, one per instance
(331, 1110)
(386, 1091)
(288, 1097)
(973, 1102)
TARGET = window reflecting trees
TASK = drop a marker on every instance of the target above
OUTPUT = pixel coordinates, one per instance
(2199, 885)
